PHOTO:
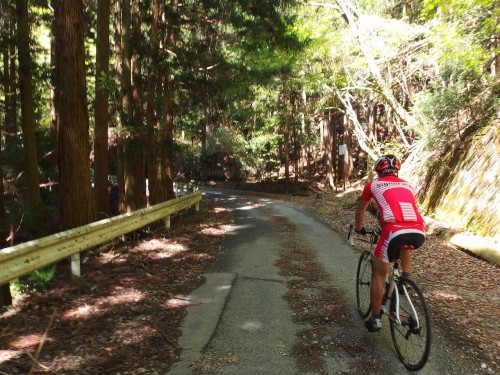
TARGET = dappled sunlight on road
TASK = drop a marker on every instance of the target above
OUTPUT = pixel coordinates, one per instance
(252, 326)
(235, 228)
(244, 208)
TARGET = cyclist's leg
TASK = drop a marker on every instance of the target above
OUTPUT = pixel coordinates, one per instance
(405, 256)
(380, 269)
(381, 265)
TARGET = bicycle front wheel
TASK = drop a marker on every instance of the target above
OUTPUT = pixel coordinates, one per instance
(363, 282)
(411, 338)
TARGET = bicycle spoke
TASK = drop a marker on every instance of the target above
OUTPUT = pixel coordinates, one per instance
(412, 338)
(363, 281)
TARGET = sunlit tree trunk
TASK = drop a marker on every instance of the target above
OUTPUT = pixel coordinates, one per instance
(328, 142)
(296, 143)
(286, 135)
(53, 122)
(336, 120)
(76, 198)
(352, 15)
(33, 197)
(306, 131)
(368, 145)
(151, 151)
(495, 59)
(347, 159)
(101, 111)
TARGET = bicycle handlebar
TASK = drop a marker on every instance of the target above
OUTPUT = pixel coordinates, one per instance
(372, 232)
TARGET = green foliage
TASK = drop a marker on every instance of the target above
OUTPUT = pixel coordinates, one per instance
(434, 113)
(186, 160)
(392, 146)
(459, 54)
(221, 159)
(260, 154)
(225, 142)
(240, 67)
(35, 282)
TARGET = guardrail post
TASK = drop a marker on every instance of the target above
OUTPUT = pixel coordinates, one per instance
(75, 264)
(197, 206)
(167, 222)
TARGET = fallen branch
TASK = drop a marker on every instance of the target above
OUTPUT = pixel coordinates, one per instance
(35, 362)
(42, 341)
(347, 349)
(175, 345)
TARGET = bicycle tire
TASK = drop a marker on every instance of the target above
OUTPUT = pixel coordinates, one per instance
(363, 282)
(412, 342)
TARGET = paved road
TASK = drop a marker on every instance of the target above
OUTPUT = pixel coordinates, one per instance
(239, 323)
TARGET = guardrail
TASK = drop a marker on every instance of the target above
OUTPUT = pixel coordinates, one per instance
(25, 258)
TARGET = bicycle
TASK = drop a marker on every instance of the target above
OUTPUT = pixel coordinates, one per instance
(403, 303)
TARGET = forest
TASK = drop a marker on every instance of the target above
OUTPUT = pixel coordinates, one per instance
(104, 104)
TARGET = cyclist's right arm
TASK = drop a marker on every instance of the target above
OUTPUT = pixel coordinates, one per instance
(360, 215)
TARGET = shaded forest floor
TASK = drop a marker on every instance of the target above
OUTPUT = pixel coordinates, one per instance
(124, 315)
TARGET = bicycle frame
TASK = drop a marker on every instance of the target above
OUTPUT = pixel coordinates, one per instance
(386, 307)
(393, 276)
(404, 304)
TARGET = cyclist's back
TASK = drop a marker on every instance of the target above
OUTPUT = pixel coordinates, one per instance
(395, 200)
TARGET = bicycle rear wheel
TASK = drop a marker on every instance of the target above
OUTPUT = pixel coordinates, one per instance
(363, 282)
(412, 339)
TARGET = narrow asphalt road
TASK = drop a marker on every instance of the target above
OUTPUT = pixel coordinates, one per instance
(239, 323)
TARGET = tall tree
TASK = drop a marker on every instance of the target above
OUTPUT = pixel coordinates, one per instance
(167, 127)
(33, 196)
(8, 22)
(128, 135)
(138, 140)
(76, 198)
(5, 296)
(120, 174)
(329, 135)
(101, 110)
(151, 115)
(285, 102)
(354, 18)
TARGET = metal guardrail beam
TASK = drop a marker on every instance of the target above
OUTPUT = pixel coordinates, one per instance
(25, 258)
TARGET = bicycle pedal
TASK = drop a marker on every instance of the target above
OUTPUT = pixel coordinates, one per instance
(373, 325)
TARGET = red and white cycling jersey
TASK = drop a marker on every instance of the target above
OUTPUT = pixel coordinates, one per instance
(395, 199)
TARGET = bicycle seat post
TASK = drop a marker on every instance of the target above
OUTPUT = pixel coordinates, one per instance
(396, 269)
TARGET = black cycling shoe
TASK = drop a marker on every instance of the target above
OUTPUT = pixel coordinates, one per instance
(406, 276)
(373, 325)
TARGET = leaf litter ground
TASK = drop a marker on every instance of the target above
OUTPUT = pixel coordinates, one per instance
(124, 315)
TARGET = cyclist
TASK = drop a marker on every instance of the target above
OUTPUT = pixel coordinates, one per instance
(401, 224)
